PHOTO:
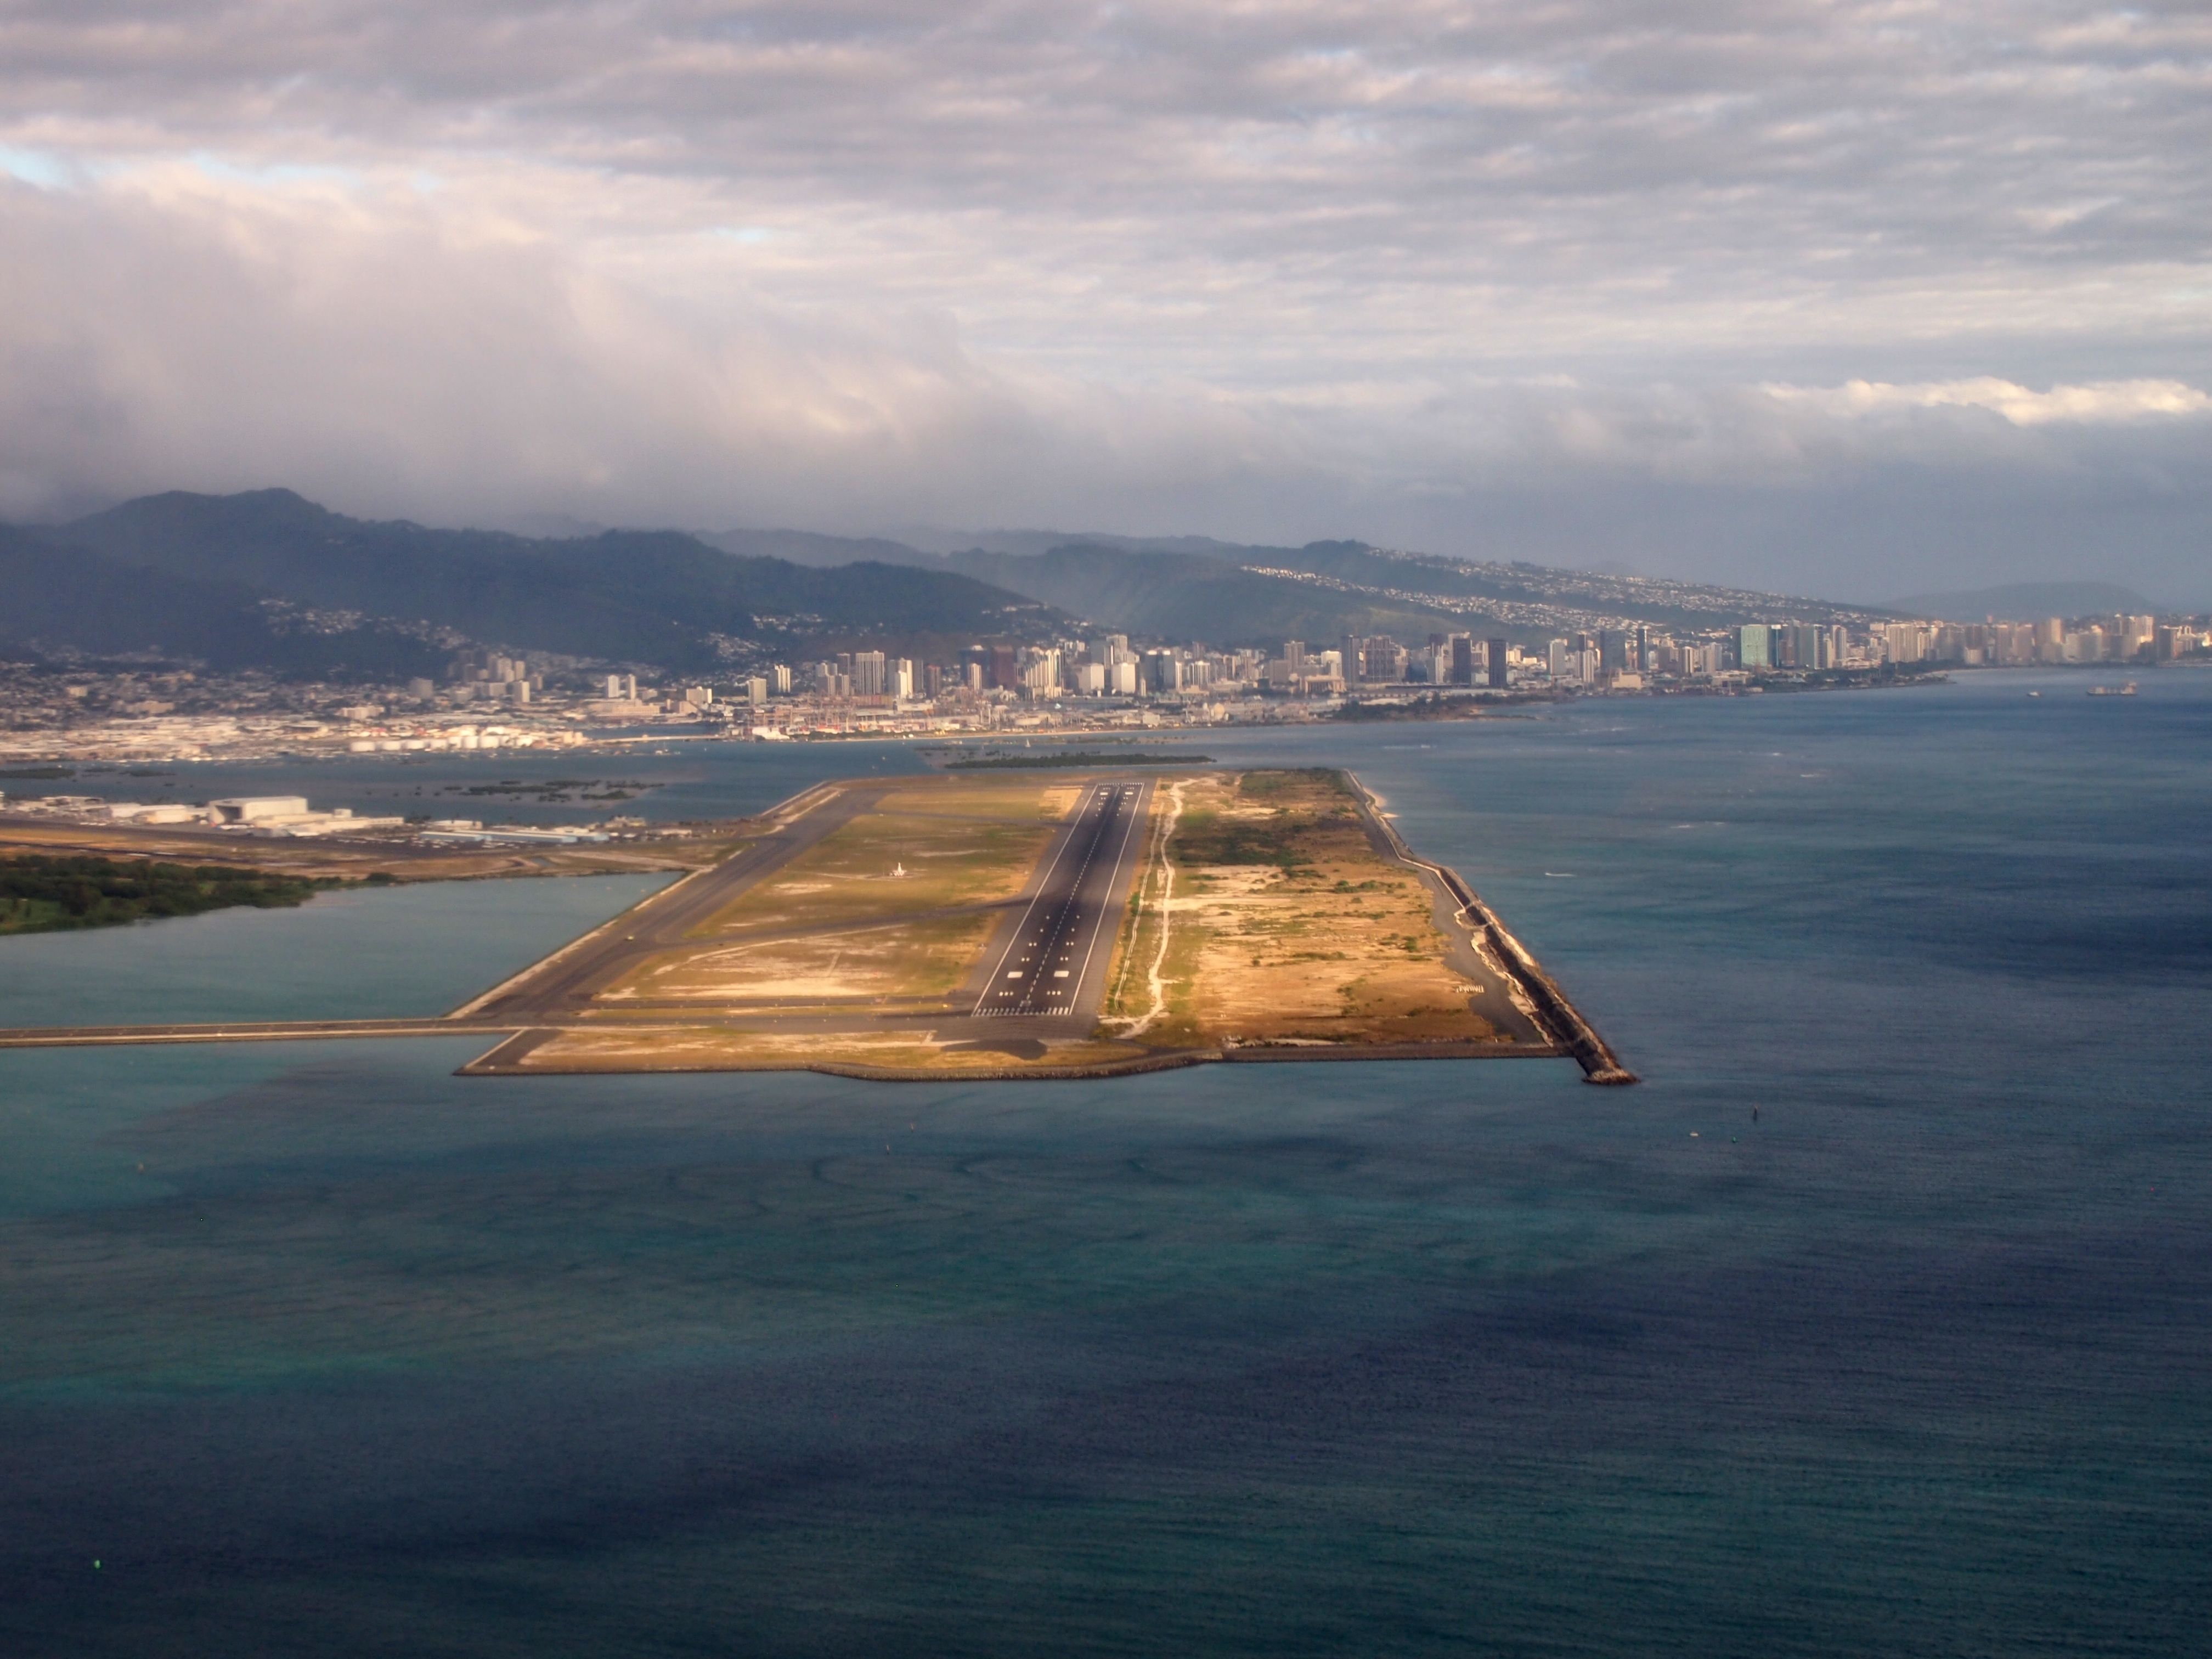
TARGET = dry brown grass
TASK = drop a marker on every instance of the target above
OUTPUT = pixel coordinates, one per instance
(864, 962)
(1286, 926)
(958, 847)
(894, 906)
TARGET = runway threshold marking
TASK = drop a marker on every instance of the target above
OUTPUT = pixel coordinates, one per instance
(1131, 795)
(1102, 809)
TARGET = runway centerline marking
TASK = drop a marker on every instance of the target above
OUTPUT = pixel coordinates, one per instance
(1057, 911)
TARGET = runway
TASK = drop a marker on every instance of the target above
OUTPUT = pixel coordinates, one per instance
(1054, 963)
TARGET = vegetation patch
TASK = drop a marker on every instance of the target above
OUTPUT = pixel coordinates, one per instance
(41, 895)
(1285, 925)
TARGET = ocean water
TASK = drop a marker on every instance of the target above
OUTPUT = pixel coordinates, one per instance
(685, 778)
(319, 1349)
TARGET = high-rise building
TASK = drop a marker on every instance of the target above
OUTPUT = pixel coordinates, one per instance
(2084, 645)
(1462, 660)
(1041, 672)
(1495, 651)
(1798, 647)
(1382, 659)
(867, 672)
(1755, 648)
(1905, 642)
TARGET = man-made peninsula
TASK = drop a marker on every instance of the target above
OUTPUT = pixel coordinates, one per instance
(1080, 923)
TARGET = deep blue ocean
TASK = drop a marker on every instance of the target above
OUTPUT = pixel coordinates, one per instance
(321, 1350)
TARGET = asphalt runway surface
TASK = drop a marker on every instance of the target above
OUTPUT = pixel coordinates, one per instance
(1055, 954)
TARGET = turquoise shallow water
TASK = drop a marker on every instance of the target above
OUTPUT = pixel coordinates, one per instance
(362, 953)
(320, 1349)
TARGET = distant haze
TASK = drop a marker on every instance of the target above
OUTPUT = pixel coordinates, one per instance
(1846, 299)
(2027, 602)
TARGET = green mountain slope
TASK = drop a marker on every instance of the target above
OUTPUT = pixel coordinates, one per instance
(1171, 585)
(645, 596)
(1186, 596)
(58, 597)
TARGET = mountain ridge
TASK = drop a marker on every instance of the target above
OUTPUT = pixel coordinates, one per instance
(654, 597)
(268, 578)
(1317, 591)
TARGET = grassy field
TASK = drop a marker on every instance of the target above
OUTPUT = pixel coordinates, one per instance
(894, 907)
(860, 962)
(1265, 916)
(918, 850)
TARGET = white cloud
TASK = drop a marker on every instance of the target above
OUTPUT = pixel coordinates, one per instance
(1321, 267)
(2097, 402)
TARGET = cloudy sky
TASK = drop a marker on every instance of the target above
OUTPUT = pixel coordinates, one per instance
(1853, 299)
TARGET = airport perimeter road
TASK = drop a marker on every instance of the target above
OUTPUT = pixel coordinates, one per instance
(1067, 935)
(564, 982)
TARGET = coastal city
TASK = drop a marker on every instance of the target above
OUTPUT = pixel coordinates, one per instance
(490, 700)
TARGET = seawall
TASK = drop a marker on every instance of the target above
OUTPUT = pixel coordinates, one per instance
(1575, 1034)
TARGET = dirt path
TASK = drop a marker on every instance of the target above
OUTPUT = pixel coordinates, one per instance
(1155, 983)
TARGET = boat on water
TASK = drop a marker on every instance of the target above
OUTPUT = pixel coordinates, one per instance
(2127, 690)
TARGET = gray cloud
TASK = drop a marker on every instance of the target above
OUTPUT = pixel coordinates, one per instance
(1576, 280)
